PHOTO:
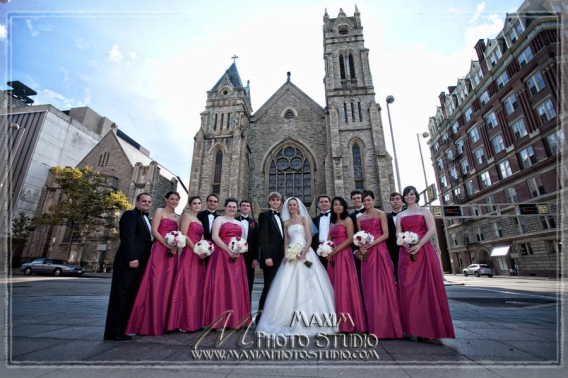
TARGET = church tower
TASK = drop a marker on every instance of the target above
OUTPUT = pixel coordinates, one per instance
(220, 153)
(357, 155)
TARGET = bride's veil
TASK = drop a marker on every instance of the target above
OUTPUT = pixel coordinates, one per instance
(303, 212)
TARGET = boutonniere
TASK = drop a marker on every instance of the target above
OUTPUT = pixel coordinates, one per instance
(252, 225)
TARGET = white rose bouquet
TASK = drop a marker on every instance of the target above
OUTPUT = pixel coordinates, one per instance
(237, 245)
(406, 239)
(203, 248)
(325, 248)
(175, 239)
(361, 238)
(293, 252)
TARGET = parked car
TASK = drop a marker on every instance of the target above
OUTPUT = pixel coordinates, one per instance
(51, 266)
(479, 270)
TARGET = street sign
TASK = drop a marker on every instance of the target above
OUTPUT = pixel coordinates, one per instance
(452, 211)
(528, 209)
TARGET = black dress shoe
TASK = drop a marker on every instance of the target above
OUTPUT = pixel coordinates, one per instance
(119, 338)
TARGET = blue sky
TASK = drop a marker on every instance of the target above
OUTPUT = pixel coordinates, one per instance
(147, 65)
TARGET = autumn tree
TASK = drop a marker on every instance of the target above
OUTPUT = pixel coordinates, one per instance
(87, 207)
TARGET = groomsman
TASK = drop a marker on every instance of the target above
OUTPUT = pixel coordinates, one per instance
(208, 216)
(271, 243)
(322, 224)
(128, 267)
(396, 204)
(252, 256)
(359, 210)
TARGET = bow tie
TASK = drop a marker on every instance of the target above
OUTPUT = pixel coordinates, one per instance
(242, 217)
(211, 212)
(395, 212)
(274, 212)
(325, 214)
(360, 211)
(145, 213)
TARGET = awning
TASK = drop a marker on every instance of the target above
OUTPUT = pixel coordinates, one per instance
(500, 251)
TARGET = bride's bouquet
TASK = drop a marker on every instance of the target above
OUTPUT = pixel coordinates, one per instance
(361, 238)
(237, 245)
(175, 239)
(293, 252)
(203, 248)
(325, 248)
(406, 239)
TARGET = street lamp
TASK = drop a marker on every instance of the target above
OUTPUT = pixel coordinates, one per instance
(390, 100)
(424, 135)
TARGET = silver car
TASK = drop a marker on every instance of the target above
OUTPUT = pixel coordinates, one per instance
(479, 270)
(51, 266)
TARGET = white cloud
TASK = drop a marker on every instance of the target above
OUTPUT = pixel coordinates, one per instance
(81, 43)
(114, 54)
(36, 29)
(452, 10)
(66, 77)
(3, 32)
(133, 55)
(480, 8)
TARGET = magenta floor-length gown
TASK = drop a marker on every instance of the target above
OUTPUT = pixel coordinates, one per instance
(343, 277)
(423, 301)
(379, 287)
(150, 312)
(185, 307)
(225, 289)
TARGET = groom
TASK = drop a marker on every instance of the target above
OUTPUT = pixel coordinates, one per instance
(271, 243)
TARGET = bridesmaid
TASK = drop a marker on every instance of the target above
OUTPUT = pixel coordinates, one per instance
(423, 300)
(149, 315)
(226, 299)
(185, 306)
(377, 274)
(342, 272)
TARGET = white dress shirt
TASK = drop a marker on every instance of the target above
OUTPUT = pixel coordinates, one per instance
(323, 231)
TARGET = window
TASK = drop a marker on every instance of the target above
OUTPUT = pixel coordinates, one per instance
(453, 173)
(222, 121)
(465, 166)
(497, 230)
(547, 222)
(480, 156)
(357, 167)
(443, 181)
(342, 67)
(535, 83)
(552, 246)
(484, 98)
(511, 104)
(353, 112)
(446, 198)
(505, 169)
(492, 60)
(460, 145)
(468, 114)
(555, 141)
(519, 129)
(536, 188)
(485, 179)
(502, 80)
(526, 249)
(360, 111)
(520, 225)
(475, 210)
(513, 36)
(290, 174)
(351, 66)
(439, 163)
(546, 111)
(475, 80)
(215, 124)
(455, 128)
(454, 239)
(511, 195)
(457, 194)
(479, 234)
(525, 57)
(528, 157)
(490, 200)
(519, 28)
(491, 120)
(450, 155)
(218, 172)
(228, 120)
(469, 188)
(498, 144)
(474, 134)
(345, 112)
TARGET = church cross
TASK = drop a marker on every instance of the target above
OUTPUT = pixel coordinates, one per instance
(234, 57)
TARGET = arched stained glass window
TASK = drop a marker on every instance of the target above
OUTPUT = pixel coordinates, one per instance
(357, 167)
(290, 174)
(216, 188)
(351, 66)
(341, 67)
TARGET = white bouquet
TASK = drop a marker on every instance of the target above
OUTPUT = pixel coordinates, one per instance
(325, 248)
(203, 248)
(237, 245)
(361, 238)
(175, 239)
(406, 239)
(293, 252)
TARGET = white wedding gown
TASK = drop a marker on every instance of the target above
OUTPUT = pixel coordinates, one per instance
(300, 300)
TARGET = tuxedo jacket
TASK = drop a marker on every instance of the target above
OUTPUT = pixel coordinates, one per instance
(391, 241)
(135, 241)
(270, 240)
(315, 237)
(203, 216)
(252, 240)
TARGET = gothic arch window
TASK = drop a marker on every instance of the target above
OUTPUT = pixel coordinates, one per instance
(217, 171)
(342, 67)
(290, 174)
(215, 124)
(228, 120)
(351, 66)
(360, 112)
(352, 111)
(358, 174)
(289, 114)
(345, 111)
(343, 30)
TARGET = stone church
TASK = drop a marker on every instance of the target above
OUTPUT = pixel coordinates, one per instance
(292, 144)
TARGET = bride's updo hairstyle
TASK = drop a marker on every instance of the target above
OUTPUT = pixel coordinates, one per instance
(407, 190)
(344, 214)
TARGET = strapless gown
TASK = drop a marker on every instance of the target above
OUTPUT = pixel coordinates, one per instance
(379, 287)
(343, 277)
(185, 306)
(225, 289)
(150, 312)
(423, 300)
(300, 297)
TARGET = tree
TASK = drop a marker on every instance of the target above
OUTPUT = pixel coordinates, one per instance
(87, 207)
(21, 228)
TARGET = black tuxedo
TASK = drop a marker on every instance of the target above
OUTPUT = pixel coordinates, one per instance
(203, 216)
(315, 238)
(391, 244)
(252, 253)
(271, 243)
(353, 217)
(135, 244)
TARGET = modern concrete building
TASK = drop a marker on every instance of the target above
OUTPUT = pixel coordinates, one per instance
(498, 144)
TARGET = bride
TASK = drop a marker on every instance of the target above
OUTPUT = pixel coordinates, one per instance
(300, 299)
